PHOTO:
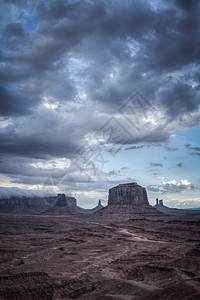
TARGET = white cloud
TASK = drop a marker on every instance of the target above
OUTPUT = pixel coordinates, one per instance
(188, 203)
(49, 103)
(59, 163)
(4, 122)
(173, 186)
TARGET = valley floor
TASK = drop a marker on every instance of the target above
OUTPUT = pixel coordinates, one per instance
(44, 257)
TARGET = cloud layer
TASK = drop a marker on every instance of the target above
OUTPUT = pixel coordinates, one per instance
(175, 187)
(67, 67)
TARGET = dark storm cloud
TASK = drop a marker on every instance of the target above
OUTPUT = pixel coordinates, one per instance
(58, 10)
(103, 31)
(23, 169)
(14, 30)
(16, 103)
(59, 51)
(178, 98)
(177, 40)
(189, 6)
(43, 139)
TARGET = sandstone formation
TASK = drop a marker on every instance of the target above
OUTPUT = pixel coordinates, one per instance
(99, 206)
(61, 207)
(58, 205)
(23, 205)
(128, 194)
(61, 200)
(128, 199)
(68, 205)
(72, 202)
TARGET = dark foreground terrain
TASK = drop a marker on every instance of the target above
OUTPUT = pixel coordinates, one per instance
(44, 257)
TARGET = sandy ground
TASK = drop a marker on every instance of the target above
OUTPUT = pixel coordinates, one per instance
(44, 257)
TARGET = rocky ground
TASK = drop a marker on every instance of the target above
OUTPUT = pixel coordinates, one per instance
(44, 257)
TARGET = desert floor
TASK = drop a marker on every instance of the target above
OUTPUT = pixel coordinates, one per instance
(44, 257)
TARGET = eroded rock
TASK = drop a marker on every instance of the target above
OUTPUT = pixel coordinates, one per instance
(128, 194)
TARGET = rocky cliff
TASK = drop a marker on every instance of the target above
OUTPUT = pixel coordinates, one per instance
(128, 199)
(61, 200)
(128, 194)
(62, 207)
(72, 202)
(23, 205)
(68, 206)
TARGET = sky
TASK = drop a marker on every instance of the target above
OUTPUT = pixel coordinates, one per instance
(97, 93)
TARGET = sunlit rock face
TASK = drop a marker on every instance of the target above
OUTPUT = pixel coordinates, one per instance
(128, 194)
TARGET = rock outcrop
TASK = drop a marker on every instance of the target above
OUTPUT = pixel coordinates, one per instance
(128, 194)
(61, 207)
(61, 200)
(99, 206)
(72, 202)
(23, 205)
(128, 199)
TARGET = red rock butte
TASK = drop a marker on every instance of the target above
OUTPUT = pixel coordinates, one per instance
(128, 194)
(128, 199)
